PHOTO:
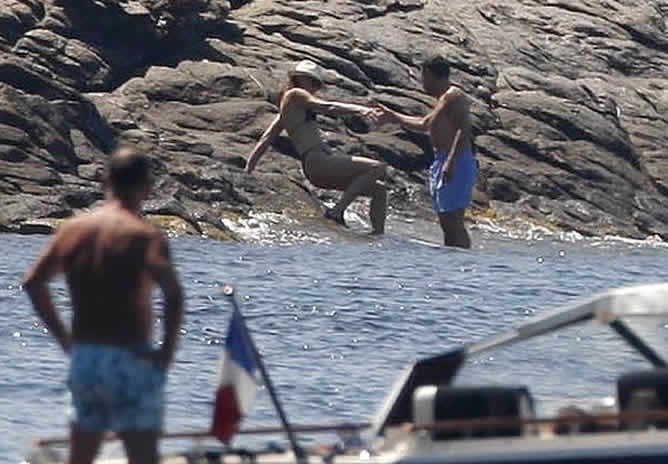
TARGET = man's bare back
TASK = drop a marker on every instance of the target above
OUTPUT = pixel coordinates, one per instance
(111, 307)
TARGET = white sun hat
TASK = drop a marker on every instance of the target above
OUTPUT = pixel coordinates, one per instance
(309, 69)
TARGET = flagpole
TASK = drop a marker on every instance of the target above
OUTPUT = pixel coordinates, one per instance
(228, 290)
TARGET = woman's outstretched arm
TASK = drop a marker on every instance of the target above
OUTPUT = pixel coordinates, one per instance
(268, 136)
(332, 108)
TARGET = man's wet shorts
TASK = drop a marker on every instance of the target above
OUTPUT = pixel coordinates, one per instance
(455, 194)
(112, 388)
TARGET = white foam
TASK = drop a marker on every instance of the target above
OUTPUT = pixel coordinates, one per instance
(278, 229)
(517, 229)
(271, 229)
(652, 241)
(521, 229)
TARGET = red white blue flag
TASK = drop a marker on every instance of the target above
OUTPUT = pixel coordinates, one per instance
(237, 386)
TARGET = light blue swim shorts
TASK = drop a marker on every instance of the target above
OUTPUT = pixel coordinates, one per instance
(457, 193)
(112, 388)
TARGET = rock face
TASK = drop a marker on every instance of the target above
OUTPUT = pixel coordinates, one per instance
(570, 103)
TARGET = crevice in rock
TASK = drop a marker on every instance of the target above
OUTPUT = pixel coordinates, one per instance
(487, 17)
(642, 39)
(636, 35)
(534, 153)
(13, 27)
(31, 83)
(401, 57)
(659, 187)
(531, 151)
(572, 194)
(649, 101)
(395, 7)
(160, 31)
(236, 4)
(572, 9)
(347, 71)
(573, 132)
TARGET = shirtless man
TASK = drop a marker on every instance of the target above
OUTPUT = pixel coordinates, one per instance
(111, 257)
(354, 175)
(455, 167)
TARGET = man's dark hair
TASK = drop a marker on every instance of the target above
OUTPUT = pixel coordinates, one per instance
(128, 170)
(438, 66)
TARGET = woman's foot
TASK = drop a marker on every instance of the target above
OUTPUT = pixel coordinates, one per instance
(329, 214)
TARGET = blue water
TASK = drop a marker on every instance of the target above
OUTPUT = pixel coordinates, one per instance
(336, 324)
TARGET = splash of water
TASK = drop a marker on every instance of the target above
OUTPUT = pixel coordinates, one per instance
(271, 229)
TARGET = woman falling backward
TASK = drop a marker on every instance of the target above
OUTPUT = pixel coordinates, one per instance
(325, 169)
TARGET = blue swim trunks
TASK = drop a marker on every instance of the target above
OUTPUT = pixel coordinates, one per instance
(112, 388)
(457, 193)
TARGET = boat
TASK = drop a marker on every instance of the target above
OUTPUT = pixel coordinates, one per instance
(428, 418)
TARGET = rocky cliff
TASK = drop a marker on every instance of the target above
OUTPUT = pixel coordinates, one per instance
(570, 104)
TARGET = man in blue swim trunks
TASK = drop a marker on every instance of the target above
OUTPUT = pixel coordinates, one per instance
(111, 258)
(454, 172)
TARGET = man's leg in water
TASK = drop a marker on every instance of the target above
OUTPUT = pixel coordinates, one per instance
(84, 445)
(141, 446)
(378, 208)
(454, 229)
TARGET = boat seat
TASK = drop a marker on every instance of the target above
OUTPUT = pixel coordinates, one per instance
(643, 391)
(432, 404)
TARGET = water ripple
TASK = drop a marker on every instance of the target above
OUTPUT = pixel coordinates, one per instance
(336, 324)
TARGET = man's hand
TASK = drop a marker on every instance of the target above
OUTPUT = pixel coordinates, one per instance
(446, 174)
(448, 170)
(66, 342)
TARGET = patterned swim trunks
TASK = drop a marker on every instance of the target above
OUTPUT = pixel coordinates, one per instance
(112, 388)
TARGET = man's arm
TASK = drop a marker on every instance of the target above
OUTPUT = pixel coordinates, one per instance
(460, 114)
(420, 123)
(413, 123)
(35, 283)
(164, 274)
(447, 169)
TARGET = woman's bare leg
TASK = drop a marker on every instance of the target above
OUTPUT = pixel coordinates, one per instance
(364, 184)
(355, 176)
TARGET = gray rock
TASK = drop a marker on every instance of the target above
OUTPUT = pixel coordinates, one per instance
(569, 103)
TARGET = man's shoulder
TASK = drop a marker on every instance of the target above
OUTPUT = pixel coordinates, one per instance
(152, 232)
(126, 223)
(78, 221)
(72, 231)
(143, 228)
(454, 99)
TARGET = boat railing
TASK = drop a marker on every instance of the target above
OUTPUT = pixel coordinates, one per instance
(603, 421)
(609, 421)
(206, 434)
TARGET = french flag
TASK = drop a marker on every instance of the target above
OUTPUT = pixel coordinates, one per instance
(237, 386)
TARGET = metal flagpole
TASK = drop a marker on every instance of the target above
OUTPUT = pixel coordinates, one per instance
(228, 290)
